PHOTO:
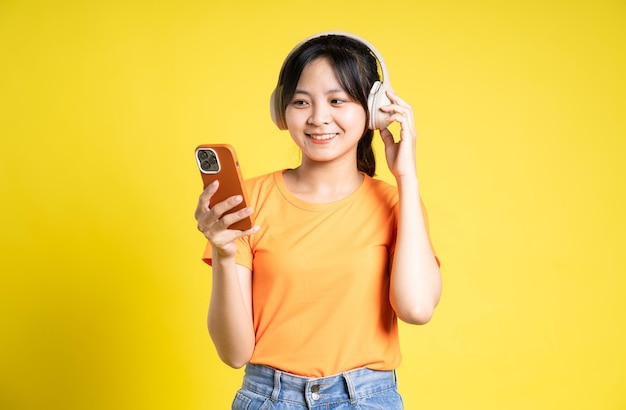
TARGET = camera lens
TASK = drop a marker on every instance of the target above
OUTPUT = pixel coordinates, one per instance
(207, 159)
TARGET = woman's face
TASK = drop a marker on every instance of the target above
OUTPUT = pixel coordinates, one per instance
(323, 120)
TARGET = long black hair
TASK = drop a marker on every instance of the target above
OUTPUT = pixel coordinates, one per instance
(356, 69)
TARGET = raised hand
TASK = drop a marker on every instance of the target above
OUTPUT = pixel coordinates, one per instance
(400, 154)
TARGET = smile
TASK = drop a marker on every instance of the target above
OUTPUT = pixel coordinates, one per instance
(322, 137)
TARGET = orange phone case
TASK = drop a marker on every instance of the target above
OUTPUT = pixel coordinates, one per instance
(219, 161)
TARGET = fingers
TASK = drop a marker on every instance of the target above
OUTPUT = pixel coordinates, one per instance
(399, 109)
(219, 217)
(205, 198)
(401, 112)
(219, 210)
(393, 97)
(229, 218)
(387, 137)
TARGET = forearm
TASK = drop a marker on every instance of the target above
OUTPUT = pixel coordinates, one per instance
(230, 316)
(415, 278)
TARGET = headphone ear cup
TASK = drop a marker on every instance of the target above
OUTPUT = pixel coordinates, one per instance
(376, 99)
(277, 117)
(273, 107)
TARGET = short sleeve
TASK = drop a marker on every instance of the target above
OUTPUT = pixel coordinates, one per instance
(243, 257)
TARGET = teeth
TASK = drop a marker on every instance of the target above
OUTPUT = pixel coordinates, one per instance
(321, 137)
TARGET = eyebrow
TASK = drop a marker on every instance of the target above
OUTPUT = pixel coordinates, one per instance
(333, 91)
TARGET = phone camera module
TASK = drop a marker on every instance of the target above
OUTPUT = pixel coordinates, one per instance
(208, 161)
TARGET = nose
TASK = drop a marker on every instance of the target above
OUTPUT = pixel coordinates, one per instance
(320, 114)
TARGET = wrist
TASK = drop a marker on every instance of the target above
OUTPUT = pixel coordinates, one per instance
(222, 259)
(408, 181)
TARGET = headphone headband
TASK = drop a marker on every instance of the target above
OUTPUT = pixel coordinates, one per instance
(369, 45)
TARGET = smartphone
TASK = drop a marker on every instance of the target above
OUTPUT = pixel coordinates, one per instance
(219, 161)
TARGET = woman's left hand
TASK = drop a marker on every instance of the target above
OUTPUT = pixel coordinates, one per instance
(401, 154)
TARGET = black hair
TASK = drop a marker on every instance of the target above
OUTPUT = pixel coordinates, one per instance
(357, 71)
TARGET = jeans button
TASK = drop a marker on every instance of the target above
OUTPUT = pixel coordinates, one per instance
(315, 391)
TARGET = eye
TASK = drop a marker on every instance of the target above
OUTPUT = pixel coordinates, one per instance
(340, 98)
(299, 103)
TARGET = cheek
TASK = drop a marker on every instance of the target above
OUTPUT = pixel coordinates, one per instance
(292, 117)
(357, 118)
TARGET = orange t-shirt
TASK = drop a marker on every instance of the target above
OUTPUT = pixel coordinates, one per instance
(320, 278)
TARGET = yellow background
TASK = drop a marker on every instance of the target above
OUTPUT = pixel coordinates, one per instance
(520, 108)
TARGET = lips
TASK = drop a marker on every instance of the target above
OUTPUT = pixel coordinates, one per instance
(322, 137)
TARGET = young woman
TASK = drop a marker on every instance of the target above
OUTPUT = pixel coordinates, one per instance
(309, 298)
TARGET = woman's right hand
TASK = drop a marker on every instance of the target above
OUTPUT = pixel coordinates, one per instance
(214, 222)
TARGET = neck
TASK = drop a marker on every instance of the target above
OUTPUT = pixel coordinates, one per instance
(323, 183)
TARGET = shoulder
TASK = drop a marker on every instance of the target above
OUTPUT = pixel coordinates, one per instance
(261, 180)
(382, 185)
(383, 190)
(262, 185)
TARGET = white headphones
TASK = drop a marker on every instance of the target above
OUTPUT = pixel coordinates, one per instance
(376, 99)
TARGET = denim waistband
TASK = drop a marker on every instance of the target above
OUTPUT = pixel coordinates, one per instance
(351, 385)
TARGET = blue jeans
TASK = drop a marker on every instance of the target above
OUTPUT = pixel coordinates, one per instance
(267, 388)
